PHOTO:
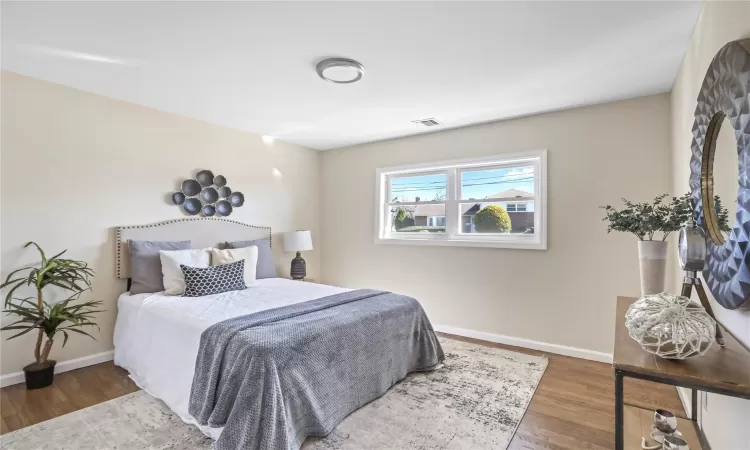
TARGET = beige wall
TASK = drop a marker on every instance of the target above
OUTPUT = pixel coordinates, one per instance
(75, 165)
(565, 295)
(724, 419)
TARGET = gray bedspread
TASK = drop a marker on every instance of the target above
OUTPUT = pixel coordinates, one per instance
(275, 377)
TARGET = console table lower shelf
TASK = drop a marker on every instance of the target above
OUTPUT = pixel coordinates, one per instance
(637, 424)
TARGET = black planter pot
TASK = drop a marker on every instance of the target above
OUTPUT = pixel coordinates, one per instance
(39, 376)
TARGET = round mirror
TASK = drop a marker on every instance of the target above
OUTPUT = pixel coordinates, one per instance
(720, 181)
(719, 171)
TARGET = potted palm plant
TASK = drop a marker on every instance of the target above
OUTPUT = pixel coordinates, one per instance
(34, 313)
(652, 223)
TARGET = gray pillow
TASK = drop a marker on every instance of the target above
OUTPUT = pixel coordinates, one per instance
(145, 264)
(265, 268)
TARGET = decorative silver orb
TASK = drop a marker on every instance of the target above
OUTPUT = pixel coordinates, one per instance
(670, 326)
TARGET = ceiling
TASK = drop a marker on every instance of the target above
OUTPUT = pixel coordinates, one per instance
(251, 66)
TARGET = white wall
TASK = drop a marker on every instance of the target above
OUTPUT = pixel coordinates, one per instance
(725, 420)
(75, 165)
(565, 295)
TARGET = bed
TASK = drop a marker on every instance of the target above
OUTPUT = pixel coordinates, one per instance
(339, 348)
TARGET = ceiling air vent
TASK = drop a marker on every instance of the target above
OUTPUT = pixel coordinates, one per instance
(431, 122)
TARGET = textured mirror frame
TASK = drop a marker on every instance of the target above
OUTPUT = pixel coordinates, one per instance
(725, 93)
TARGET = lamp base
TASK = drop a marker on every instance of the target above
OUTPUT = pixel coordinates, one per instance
(299, 268)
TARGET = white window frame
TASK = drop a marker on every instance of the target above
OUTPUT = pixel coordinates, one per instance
(453, 235)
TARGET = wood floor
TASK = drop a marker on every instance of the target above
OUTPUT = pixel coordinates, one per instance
(573, 408)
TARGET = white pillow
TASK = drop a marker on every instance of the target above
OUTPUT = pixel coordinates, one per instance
(174, 280)
(249, 254)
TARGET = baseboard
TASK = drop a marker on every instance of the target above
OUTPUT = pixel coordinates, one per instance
(528, 343)
(63, 366)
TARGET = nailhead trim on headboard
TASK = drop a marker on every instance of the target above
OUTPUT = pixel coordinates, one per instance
(184, 219)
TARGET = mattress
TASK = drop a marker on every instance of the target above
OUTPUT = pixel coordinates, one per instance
(157, 336)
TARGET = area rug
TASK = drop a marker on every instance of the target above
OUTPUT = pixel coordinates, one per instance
(475, 401)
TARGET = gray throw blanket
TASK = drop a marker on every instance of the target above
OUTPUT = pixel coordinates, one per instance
(275, 377)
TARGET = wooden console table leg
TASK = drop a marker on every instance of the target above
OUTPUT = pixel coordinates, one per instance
(619, 411)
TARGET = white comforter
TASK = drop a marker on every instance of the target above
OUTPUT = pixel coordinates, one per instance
(157, 335)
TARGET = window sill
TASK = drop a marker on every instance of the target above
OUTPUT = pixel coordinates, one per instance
(521, 244)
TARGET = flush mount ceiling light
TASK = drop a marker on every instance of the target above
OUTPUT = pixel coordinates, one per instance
(340, 70)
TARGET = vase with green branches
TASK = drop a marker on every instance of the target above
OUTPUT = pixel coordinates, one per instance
(652, 223)
(49, 318)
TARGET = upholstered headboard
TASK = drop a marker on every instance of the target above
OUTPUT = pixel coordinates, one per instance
(201, 231)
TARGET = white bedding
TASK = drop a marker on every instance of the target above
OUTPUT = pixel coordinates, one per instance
(157, 336)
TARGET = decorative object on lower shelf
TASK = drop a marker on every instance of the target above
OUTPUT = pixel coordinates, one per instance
(675, 442)
(670, 326)
(298, 241)
(665, 425)
(62, 317)
(665, 421)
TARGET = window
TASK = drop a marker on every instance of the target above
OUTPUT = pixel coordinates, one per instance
(436, 221)
(484, 202)
(516, 207)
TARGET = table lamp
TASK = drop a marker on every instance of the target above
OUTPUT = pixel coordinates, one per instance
(298, 241)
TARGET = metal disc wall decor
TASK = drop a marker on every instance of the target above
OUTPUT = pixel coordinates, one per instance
(208, 210)
(178, 198)
(192, 206)
(237, 199)
(225, 192)
(223, 208)
(205, 177)
(191, 188)
(208, 195)
(725, 93)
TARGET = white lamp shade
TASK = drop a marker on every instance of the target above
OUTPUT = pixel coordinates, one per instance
(297, 241)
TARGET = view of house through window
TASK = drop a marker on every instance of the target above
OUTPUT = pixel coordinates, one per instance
(487, 200)
(418, 203)
(502, 200)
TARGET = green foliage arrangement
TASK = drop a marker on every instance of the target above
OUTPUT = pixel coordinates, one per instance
(722, 215)
(492, 219)
(65, 316)
(402, 219)
(645, 220)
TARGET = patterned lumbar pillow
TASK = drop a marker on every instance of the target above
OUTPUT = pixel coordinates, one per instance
(200, 281)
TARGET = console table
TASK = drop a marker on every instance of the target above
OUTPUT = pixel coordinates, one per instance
(724, 371)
